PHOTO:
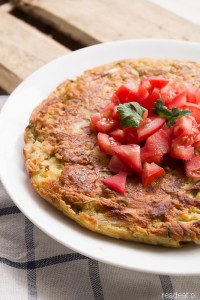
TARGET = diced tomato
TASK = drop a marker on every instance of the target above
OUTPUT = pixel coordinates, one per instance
(193, 93)
(115, 115)
(169, 92)
(117, 182)
(178, 101)
(153, 97)
(94, 119)
(132, 96)
(192, 167)
(183, 125)
(146, 85)
(184, 139)
(116, 165)
(108, 110)
(150, 156)
(119, 135)
(106, 143)
(158, 82)
(130, 155)
(152, 125)
(142, 94)
(100, 124)
(106, 125)
(169, 130)
(123, 91)
(195, 109)
(151, 172)
(196, 143)
(131, 136)
(115, 99)
(156, 146)
(181, 152)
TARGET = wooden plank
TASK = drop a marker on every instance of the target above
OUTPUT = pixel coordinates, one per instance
(92, 21)
(23, 49)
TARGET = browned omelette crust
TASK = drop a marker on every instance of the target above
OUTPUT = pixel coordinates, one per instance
(66, 167)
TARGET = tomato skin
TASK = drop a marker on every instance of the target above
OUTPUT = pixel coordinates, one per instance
(107, 111)
(158, 82)
(117, 182)
(151, 172)
(106, 143)
(130, 155)
(123, 91)
(169, 92)
(192, 167)
(132, 96)
(152, 125)
(131, 136)
(193, 93)
(181, 152)
(115, 99)
(156, 146)
(115, 115)
(142, 94)
(94, 119)
(153, 97)
(116, 165)
(119, 135)
(183, 125)
(195, 109)
(178, 101)
(196, 143)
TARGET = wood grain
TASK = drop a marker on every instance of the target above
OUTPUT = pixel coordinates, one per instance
(92, 21)
(23, 49)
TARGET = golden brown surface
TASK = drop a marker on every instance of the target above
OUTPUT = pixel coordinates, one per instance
(66, 167)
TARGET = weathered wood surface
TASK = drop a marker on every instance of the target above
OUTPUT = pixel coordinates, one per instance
(92, 21)
(24, 48)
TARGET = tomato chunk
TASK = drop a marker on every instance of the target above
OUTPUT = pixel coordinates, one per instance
(156, 146)
(193, 93)
(130, 155)
(108, 110)
(119, 135)
(183, 125)
(181, 152)
(158, 82)
(153, 97)
(132, 96)
(151, 172)
(123, 91)
(106, 125)
(178, 101)
(117, 182)
(131, 136)
(195, 109)
(116, 165)
(196, 143)
(152, 125)
(142, 94)
(106, 143)
(192, 167)
(94, 119)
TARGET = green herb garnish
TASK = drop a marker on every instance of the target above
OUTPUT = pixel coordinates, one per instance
(130, 114)
(170, 114)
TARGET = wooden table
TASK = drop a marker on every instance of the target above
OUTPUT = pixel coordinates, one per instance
(33, 32)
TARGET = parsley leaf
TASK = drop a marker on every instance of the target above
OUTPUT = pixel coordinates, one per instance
(170, 114)
(130, 114)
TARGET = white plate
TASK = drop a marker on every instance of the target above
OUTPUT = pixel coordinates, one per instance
(14, 118)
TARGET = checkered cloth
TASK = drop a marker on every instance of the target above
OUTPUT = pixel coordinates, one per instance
(33, 266)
